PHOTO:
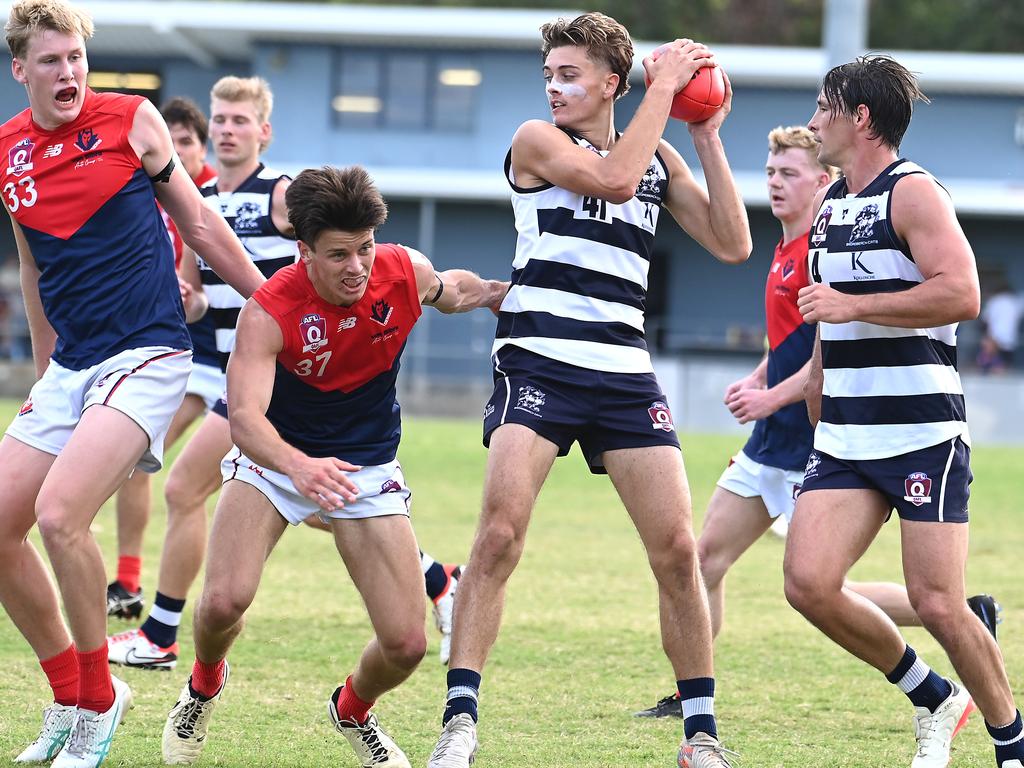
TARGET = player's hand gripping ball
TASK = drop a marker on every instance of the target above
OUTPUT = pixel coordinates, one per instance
(700, 98)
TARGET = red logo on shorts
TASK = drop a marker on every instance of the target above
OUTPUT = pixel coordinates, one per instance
(919, 487)
(391, 486)
(661, 416)
(26, 408)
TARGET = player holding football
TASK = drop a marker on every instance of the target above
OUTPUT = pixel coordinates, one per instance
(314, 416)
(570, 358)
(189, 131)
(762, 481)
(892, 275)
(110, 346)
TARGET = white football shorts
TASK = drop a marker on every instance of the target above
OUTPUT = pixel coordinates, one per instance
(382, 490)
(778, 488)
(206, 382)
(146, 384)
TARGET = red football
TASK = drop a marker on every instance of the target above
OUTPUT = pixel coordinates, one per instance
(701, 97)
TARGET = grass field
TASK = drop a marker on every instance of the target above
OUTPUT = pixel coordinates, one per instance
(579, 648)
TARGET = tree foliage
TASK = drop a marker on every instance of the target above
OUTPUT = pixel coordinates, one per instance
(952, 25)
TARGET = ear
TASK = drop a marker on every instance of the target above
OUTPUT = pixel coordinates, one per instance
(862, 116)
(18, 71)
(265, 133)
(611, 85)
(305, 252)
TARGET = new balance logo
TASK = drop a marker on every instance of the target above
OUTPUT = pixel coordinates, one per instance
(346, 323)
(53, 150)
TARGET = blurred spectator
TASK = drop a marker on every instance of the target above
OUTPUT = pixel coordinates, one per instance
(1001, 317)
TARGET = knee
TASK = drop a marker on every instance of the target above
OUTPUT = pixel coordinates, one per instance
(219, 610)
(713, 563)
(805, 589)
(406, 649)
(500, 541)
(181, 494)
(937, 611)
(674, 560)
(58, 525)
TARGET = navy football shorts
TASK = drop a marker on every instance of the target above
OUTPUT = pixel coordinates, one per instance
(931, 484)
(566, 404)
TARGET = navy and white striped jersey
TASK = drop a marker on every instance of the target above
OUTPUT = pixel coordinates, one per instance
(579, 278)
(887, 391)
(247, 212)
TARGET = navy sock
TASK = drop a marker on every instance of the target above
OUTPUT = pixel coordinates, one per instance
(698, 699)
(463, 694)
(162, 625)
(922, 685)
(1009, 740)
(436, 580)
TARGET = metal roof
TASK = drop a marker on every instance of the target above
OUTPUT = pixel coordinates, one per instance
(209, 31)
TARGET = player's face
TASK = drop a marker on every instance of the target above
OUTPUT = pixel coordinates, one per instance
(236, 132)
(54, 71)
(191, 151)
(339, 264)
(577, 87)
(833, 131)
(793, 178)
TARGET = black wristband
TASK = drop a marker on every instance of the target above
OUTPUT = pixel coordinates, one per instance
(164, 176)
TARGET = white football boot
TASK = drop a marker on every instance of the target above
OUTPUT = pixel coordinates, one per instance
(134, 649)
(57, 722)
(187, 724)
(456, 746)
(934, 731)
(92, 732)
(373, 747)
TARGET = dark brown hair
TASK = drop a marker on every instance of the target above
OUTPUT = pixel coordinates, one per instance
(182, 111)
(603, 38)
(326, 198)
(884, 86)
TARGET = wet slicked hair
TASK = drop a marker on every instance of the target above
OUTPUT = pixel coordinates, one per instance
(884, 86)
(798, 137)
(326, 198)
(27, 17)
(182, 111)
(603, 38)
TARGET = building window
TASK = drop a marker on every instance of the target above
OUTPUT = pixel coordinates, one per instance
(146, 84)
(405, 90)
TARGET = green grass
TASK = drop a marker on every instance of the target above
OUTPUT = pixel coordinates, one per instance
(579, 648)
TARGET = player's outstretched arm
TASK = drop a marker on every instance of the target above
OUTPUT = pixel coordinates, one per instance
(43, 337)
(202, 228)
(455, 290)
(251, 371)
(715, 218)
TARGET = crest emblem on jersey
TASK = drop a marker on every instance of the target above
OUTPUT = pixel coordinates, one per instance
(87, 140)
(864, 224)
(380, 311)
(19, 158)
(788, 269)
(820, 227)
(661, 416)
(530, 400)
(247, 216)
(919, 488)
(649, 188)
(314, 332)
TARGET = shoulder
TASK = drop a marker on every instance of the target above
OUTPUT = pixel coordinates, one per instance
(918, 194)
(282, 289)
(537, 132)
(113, 103)
(16, 125)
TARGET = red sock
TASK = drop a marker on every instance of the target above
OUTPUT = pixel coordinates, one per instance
(207, 678)
(350, 706)
(129, 569)
(95, 691)
(62, 672)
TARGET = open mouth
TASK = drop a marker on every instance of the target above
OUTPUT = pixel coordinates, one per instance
(556, 104)
(66, 96)
(354, 283)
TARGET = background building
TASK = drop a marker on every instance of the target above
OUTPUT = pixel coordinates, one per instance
(428, 100)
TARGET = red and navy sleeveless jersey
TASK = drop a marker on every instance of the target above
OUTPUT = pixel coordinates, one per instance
(202, 331)
(784, 439)
(87, 208)
(335, 388)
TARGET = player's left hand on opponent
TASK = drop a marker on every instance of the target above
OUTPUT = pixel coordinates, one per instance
(324, 482)
(819, 303)
(751, 404)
